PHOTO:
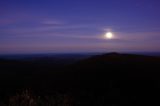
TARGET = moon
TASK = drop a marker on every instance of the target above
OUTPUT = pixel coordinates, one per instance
(109, 35)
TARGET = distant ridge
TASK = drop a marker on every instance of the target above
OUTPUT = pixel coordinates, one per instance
(114, 64)
(120, 58)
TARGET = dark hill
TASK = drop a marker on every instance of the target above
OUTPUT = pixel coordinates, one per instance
(114, 58)
(128, 64)
(101, 80)
(118, 78)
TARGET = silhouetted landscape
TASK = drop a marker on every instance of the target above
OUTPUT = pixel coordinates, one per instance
(79, 80)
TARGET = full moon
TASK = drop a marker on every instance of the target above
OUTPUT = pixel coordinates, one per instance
(109, 35)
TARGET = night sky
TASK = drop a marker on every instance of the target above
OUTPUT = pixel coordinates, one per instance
(62, 26)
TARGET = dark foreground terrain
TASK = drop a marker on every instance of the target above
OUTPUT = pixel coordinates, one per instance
(102, 80)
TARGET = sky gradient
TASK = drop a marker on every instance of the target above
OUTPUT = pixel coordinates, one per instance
(53, 26)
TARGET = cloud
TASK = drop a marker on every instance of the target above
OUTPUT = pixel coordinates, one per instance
(47, 29)
(140, 36)
(52, 22)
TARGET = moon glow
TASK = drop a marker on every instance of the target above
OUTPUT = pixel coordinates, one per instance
(109, 35)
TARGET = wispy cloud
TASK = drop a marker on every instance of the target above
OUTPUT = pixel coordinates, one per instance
(52, 22)
(53, 34)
